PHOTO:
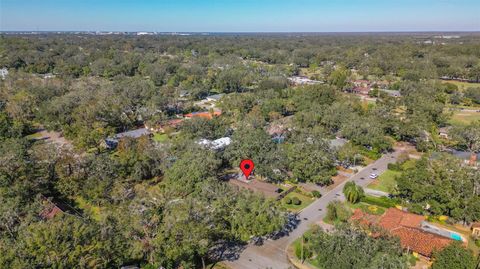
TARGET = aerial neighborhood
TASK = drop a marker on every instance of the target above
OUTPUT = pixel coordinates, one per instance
(239, 150)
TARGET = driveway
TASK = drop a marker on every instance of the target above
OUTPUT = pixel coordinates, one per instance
(272, 254)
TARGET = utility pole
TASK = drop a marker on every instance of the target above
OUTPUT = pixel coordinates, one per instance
(302, 250)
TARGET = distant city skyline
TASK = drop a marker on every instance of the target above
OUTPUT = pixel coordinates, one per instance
(240, 15)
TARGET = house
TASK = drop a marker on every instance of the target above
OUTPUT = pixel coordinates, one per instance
(50, 210)
(337, 143)
(161, 128)
(3, 73)
(361, 86)
(475, 229)
(52, 207)
(302, 80)
(392, 93)
(218, 144)
(381, 84)
(443, 132)
(467, 157)
(362, 83)
(215, 97)
(415, 234)
(112, 142)
(183, 93)
(48, 75)
(203, 114)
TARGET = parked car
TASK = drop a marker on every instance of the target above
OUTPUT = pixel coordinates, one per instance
(257, 240)
(373, 176)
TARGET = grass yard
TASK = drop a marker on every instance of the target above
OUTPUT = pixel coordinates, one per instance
(386, 182)
(36, 135)
(462, 85)
(305, 201)
(464, 117)
(368, 208)
(160, 137)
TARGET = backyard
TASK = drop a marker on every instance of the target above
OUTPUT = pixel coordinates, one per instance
(464, 117)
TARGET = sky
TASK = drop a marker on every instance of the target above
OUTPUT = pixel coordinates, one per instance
(240, 15)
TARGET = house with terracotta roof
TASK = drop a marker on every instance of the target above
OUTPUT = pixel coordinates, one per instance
(203, 114)
(415, 234)
(53, 207)
(163, 127)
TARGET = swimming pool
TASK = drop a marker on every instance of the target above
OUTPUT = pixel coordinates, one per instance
(455, 236)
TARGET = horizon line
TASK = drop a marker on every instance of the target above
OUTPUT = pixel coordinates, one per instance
(235, 32)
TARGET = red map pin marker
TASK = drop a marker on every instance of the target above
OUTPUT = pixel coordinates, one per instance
(247, 167)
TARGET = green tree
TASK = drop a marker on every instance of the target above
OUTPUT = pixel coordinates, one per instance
(255, 144)
(468, 136)
(350, 247)
(353, 193)
(336, 211)
(454, 256)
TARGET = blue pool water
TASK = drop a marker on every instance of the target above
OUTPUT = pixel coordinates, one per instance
(455, 236)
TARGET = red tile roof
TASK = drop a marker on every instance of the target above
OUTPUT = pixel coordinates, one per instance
(394, 218)
(50, 211)
(205, 114)
(406, 226)
(420, 241)
(363, 218)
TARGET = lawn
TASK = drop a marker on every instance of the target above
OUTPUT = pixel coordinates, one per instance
(462, 85)
(36, 135)
(464, 117)
(160, 137)
(386, 182)
(296, 208)
(368, 208)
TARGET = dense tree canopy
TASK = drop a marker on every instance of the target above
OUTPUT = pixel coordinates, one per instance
(162, 201)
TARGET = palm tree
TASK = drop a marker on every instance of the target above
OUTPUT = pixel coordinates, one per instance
(353, 193)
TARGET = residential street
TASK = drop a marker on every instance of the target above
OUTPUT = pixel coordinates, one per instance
(272, 254)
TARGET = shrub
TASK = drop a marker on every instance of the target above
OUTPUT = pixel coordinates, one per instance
(288, 201)
(316, 194)
(336, 211)
(296, 201)
(394, 166)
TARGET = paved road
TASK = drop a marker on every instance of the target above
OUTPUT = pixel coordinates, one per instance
(272, 254)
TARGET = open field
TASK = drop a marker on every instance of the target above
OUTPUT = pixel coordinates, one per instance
(462, 117)
(462, 85)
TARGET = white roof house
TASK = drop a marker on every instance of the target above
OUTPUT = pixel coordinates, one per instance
(3, 73)
(300, 80)
(218, 144)
(215, 97)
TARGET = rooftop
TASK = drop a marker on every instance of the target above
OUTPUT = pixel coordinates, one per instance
(133, 133)
(215, 97)
(407, 227)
